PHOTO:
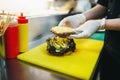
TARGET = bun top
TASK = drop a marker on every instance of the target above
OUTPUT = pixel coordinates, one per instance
(62, 31)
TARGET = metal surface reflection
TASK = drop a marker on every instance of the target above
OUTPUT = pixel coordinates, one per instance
(3, 73)
(18, 70)
(2, 47)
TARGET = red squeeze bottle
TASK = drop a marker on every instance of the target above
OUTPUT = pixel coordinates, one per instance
(11, 40)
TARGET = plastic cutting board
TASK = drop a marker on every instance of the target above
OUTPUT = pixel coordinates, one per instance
(79, 64)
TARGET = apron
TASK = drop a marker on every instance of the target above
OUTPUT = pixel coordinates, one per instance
(110, 54)
(112, 38)
(109, 64)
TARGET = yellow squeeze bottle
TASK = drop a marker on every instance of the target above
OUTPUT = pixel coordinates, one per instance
(23, 33)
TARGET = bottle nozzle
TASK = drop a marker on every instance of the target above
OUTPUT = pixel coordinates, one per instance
(21, 14)
(22, 19)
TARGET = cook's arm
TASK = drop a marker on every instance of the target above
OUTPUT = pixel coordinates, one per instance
(96, 12)
(112, 24)
(99, 11)
(91, 26)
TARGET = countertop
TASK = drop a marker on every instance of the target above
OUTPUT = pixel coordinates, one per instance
(13, 69)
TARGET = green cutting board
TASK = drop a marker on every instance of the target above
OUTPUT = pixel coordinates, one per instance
(79, 64)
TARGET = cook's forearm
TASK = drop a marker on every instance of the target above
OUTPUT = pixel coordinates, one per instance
(113, 24)
(96, 12)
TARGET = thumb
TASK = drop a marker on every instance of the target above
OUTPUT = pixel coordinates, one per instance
(64, 23)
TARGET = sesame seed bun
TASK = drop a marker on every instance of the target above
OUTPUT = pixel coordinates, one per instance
(62, 31)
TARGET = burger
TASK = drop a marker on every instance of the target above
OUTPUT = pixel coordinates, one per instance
(61, 44)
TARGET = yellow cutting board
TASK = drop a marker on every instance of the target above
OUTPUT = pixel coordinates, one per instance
(79, 64)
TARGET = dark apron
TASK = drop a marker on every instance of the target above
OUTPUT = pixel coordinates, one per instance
(112, 38)
(110, 54)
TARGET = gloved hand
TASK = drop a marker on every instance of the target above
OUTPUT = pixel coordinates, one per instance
(88, 28)
(73, 21)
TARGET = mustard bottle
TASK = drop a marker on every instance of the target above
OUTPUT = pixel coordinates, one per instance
(23, 33)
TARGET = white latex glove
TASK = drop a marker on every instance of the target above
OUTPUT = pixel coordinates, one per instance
(88, 28)
(73, 21)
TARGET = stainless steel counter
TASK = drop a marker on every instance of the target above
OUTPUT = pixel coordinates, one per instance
(13, 69)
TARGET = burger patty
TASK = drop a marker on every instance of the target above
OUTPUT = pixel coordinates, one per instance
(59, 46)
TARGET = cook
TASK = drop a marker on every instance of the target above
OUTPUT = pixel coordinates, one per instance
(94, 19)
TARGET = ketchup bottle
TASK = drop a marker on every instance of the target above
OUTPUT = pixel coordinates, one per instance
(23, 33)
(11, 40)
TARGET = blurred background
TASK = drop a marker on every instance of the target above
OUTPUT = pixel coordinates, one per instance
(39, 11)
(45, 7)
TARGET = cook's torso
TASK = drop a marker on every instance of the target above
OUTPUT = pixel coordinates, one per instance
(112, 38)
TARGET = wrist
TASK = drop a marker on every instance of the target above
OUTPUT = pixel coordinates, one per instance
(102, 23)
(81, 18)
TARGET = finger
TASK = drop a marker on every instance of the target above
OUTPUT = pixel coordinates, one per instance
(64, 23)
(80, 35)
(67, 24)
(77, 31)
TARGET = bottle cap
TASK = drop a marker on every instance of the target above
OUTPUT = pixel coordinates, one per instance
(13, 22)
(22, 19)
